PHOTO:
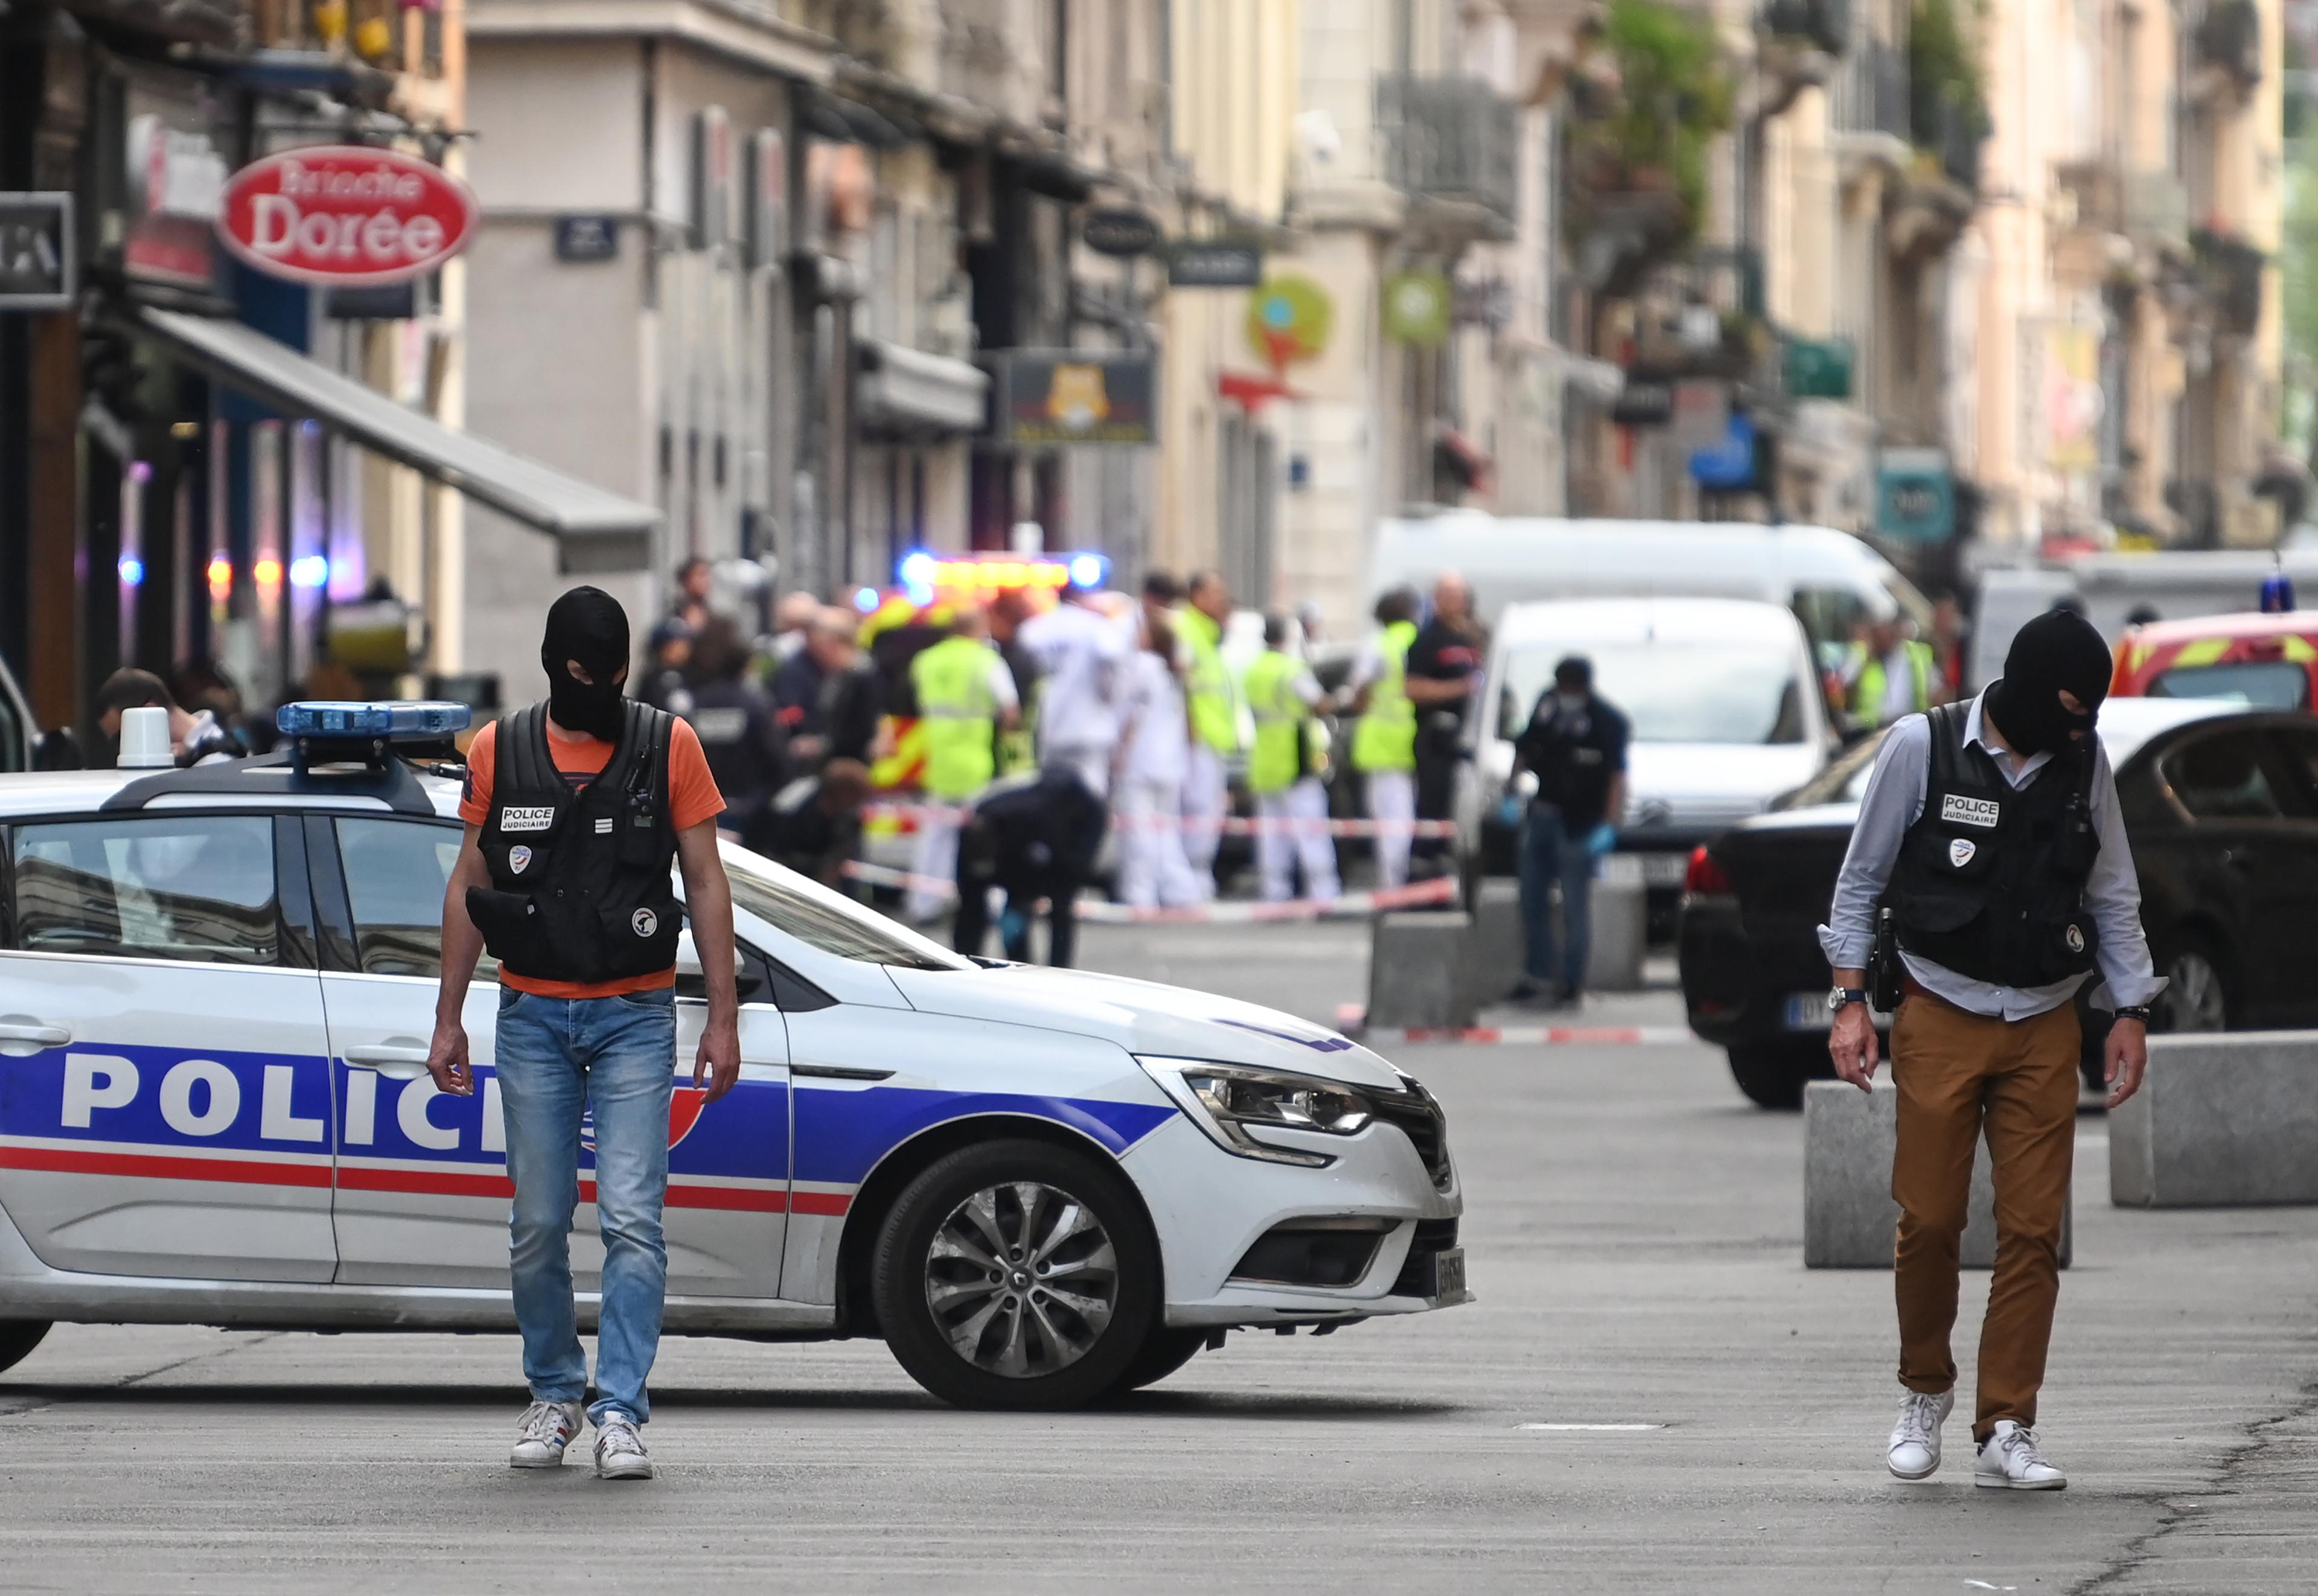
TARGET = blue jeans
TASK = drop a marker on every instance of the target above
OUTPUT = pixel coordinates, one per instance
(1551, 853)
(557, 1057)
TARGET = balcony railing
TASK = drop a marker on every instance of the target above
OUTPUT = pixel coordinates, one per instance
(381, 33)
(1870, 93)
(1452, 140)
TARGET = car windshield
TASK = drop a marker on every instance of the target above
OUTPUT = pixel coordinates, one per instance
(2263, 684)
(1671, 691)
(823, 919)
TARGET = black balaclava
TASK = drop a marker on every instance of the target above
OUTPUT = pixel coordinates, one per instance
(587, 625)
(2058, 651)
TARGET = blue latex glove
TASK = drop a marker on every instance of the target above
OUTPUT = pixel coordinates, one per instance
(1600, 840)
(1509, 811)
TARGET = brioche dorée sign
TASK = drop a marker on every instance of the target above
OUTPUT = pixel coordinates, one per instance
(346, 216)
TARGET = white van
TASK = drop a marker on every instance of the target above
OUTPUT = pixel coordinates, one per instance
(1831, 579)
(1724, 704)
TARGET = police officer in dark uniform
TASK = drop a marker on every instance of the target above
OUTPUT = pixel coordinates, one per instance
(1575, 745)
(1035, 836)
(575, 810)
(1990, 831)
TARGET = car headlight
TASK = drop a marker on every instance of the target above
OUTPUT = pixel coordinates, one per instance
(1228, 1100)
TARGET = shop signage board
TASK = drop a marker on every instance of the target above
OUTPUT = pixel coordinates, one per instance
(1215, 262)
(37, 268)
(344, 216)
(1915, 496)
(1045, 397)
(1120, 230)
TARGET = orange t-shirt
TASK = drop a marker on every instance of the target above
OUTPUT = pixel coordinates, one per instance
(691, 798)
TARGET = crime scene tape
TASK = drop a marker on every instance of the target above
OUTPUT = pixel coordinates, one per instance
(1101, 911)
(1227, 825)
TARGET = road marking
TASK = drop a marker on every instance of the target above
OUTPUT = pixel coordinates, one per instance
(1590, 1426)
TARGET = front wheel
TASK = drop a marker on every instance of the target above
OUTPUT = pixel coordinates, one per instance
(1163, 1352)
(2196, 996)
(1771, 1074)
(1016, 1275)
(18, 1337)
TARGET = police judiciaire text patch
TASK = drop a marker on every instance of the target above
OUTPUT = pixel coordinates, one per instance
(1969, 811)
(517, 818)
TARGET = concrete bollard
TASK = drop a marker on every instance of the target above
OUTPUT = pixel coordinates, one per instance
(2220, 1122)
(1849, 1219)
(1621, 924)
(1415, 972)
(1495, 943)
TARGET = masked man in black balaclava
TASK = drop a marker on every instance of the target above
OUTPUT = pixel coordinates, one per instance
(1989, 842)
(577, 809)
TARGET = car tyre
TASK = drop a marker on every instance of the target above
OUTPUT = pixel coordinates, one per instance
(1164, 1351)
(2199, 988)
(1771, 1074)
(18, 1337)
(1019, 1276)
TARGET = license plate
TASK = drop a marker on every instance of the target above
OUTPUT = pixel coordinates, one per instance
(1807, 1011)
(1448, 1275)
(1652, 870)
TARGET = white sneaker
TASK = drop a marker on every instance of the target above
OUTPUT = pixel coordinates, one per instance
(1915, 1450)
(2009, 1460)
(546, 1429)
(620, 1452)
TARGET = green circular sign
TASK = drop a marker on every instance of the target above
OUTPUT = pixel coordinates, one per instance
(1289, 319)
(1417, 307)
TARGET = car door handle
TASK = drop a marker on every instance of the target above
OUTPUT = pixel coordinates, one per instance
(396, 1063)
(35, 1032)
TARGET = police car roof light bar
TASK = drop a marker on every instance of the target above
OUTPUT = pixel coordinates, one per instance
(324, 731)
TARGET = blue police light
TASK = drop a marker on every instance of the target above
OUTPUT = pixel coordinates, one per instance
(2276, 594)
(424, 722)
(1087, 570)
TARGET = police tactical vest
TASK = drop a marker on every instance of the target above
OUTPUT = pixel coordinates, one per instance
(1990, 878)
(580, 888)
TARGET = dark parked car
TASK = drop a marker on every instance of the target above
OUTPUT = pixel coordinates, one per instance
(2222, 809)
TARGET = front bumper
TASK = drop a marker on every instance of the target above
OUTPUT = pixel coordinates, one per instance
(1209, 1207)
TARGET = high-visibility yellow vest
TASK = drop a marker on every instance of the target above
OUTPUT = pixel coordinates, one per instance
(1207, 682)
(959, 711)
(1867, 689)
(1282, 720)
(1386, 737)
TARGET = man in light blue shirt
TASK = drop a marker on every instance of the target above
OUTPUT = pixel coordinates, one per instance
(1991, 830)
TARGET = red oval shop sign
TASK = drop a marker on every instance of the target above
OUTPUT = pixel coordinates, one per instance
(344, 215)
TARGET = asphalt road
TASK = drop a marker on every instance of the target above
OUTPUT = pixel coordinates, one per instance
(1635, 1238)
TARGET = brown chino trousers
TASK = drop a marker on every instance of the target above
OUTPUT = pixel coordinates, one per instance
(1957, 1071)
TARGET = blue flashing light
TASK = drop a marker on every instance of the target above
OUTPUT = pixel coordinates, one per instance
(398, 721)
(916, 569)
(864, 599)
(2276, 594)
(1089, 570)
(309, 570)
(132, 570)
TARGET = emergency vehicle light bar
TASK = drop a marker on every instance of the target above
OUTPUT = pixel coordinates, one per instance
(396, 722)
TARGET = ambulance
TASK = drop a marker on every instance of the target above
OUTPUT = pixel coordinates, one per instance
(2264, 661)
(1038, 1187)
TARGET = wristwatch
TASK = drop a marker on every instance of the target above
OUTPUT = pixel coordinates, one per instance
(1836, 997)
(2139, 1011)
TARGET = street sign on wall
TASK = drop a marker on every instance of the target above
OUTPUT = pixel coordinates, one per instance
(586, 237)
(343, 215)
(1042, 397)
(37, 269)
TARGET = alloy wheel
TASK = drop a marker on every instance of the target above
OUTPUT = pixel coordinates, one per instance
(2193, 998)
(1023, 1279)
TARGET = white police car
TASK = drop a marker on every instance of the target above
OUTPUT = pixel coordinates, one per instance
(1038, 1186)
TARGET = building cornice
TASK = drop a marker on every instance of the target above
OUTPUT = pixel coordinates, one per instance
(730, 28)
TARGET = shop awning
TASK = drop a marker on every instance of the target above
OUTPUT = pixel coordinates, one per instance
(595, 530)
(906, 392)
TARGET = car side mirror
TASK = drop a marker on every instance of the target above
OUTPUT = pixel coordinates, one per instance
(687, 959)
(57, 748)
